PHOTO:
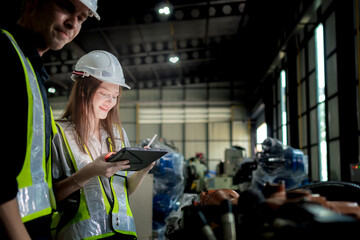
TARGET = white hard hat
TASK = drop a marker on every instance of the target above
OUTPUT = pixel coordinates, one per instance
(92, 5)
(101, 65)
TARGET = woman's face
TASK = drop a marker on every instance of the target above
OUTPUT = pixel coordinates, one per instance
(105, 98)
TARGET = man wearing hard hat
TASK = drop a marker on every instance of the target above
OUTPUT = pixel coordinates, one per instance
(26, 201)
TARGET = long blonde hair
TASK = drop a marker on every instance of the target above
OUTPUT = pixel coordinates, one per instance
(80, 106)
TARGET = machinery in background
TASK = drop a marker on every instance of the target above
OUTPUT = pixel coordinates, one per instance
(233, 158)
(275, 205)
(355, 172)
(322, 210)
(243, 177)
(277, 163)
(274, 163)
(195, 172)
(227, 169)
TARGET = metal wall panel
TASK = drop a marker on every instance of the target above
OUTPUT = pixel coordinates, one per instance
(333, 118)
(149, 94)
(219, 131)
(330, 34)
(174, 132)
(314, 164)
(195, 131)
(217, 152)
(219, 94)
(128, 95)
(194, 94)
(173, 94)
(304, 131)
(313, 127)
(334, 164)
(192, 147)
(130, 129)
(240, 136)
(311, 53)
(148, 131)
(331, 75)
(207, 121)
(128, 114)
(312, 90)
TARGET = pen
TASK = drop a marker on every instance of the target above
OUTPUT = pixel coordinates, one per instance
(152, 140)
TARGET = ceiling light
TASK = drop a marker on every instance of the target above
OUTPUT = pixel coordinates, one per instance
(51, 90)
(164, 10)
(174, 59)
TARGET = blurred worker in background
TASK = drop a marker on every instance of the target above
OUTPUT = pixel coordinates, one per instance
(26, 181)
(196, 171)
(89, 129)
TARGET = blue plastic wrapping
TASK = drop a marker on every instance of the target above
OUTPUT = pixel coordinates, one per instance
(278, 163)
(168, 187)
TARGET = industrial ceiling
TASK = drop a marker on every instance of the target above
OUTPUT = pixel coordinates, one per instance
(215, 41)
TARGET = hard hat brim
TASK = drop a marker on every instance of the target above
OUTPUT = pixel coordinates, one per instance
(93, 12)
(83, 74)
(96, 15)
(117, 83)
(125, 85)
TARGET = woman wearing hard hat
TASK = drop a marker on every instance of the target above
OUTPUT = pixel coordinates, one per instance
(88, 130)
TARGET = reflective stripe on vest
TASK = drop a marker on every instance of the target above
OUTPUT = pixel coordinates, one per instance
(33, 196)
(96, 217)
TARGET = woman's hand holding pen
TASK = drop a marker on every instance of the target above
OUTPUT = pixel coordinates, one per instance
(151, 165)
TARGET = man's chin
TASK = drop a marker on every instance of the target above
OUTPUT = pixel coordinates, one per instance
(58, 46)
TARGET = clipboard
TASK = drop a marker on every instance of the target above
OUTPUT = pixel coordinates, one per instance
(138, 158)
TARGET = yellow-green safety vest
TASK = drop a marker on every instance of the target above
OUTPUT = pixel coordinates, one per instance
(35, 196)
(96, 216)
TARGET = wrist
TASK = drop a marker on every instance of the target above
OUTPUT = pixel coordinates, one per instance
(144, 171)
(90, 170)
(75, 181)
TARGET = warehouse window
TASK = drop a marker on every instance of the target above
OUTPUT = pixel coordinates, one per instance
(321, 97)
(261, 135)
(283, 107)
